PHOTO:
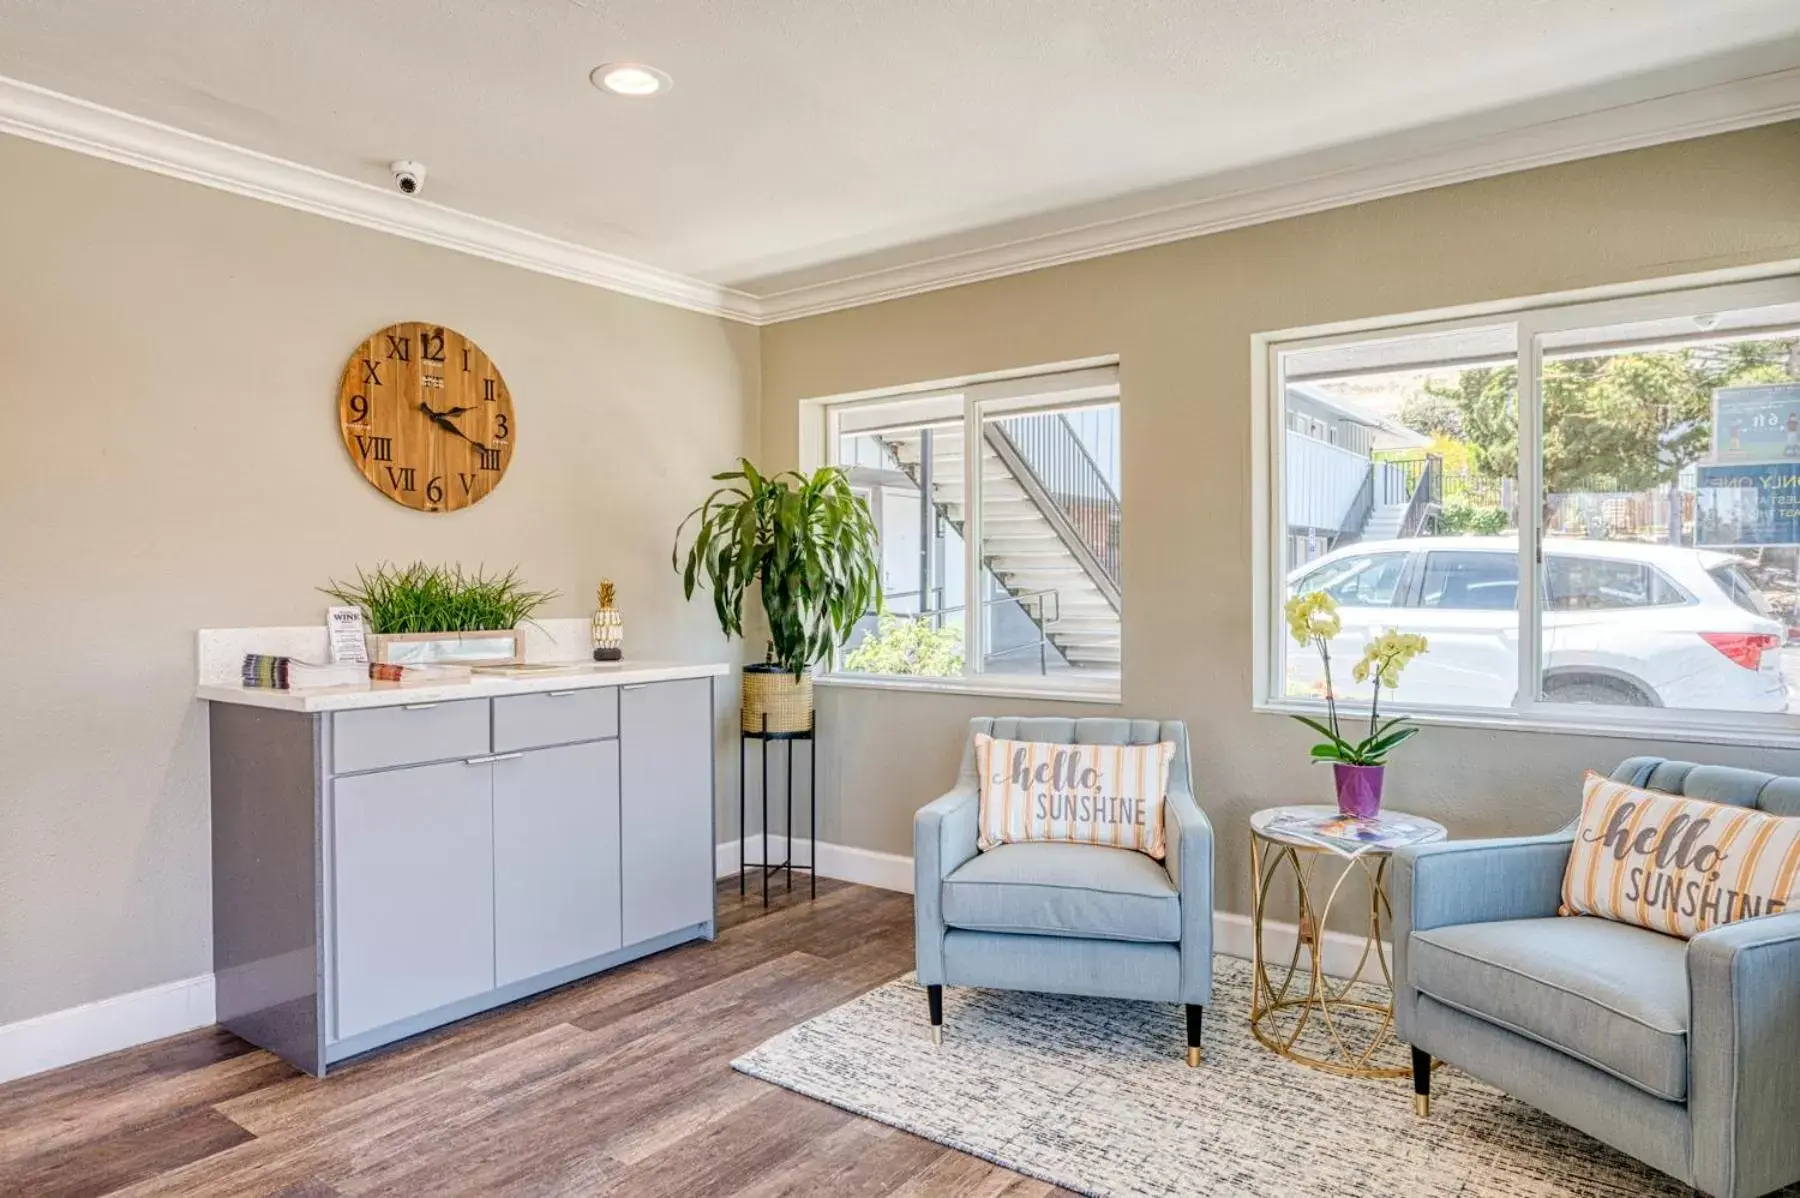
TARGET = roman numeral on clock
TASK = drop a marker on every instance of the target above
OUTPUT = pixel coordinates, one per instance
(490, 458)
(468, 482)
(399, 347)
(487, 389)
(380, 449)
(401, 478)
(371, 372)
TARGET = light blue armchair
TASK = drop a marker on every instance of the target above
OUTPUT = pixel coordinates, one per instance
(1066, 918)
(1682, 1054)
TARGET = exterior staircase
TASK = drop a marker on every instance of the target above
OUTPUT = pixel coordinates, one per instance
(1385, 522)
(1049, 546)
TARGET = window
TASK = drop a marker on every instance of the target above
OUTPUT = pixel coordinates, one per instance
(1361, 580)
(1591, 509)
(1739, 589)
(1602, 584)
(1471, 581)
(999, 507)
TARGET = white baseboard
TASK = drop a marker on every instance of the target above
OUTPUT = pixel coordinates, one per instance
(123, 1021)
(1339, 951)
(866, 867)
(94, 1029)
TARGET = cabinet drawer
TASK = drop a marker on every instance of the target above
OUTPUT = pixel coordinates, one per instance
(555, 718)
(384, 736)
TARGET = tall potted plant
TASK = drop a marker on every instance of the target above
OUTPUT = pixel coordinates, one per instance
(809, 546)
(1359, 766)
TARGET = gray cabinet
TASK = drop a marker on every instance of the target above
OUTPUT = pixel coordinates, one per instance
(556, 858)
(666, 806)
(554, 718)
(413, 891)
(388, 869)
(409, 733)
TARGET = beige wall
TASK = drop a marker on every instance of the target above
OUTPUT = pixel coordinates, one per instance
(169, 360)
(1180, 316)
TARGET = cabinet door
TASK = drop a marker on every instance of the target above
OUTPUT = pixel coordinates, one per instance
(666, 806)
(413, 876)
(556, 858)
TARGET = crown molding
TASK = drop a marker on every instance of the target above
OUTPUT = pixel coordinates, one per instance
(73, 124)
(1405, 163)
(1698, 112)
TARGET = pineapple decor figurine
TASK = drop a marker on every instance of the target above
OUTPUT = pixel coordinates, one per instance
(609, 625)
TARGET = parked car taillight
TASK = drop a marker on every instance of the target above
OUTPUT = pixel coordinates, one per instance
(1744, 648)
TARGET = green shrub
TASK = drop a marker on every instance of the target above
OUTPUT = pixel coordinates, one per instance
(905, 645)
(422, 598)
(1456, 518)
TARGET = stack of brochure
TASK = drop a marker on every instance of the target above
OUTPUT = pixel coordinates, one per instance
(267, 671)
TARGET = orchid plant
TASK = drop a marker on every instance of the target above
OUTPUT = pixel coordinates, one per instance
(1313, 620)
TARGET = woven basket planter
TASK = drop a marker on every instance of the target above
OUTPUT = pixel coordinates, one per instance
(775, 692)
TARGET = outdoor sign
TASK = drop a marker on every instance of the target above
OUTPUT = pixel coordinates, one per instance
(1751, 504)
(1756, 424)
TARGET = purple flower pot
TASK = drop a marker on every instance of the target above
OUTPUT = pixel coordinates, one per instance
(1359, 789)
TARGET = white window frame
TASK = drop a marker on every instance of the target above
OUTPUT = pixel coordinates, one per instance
(1082, 382)
(1533, 318)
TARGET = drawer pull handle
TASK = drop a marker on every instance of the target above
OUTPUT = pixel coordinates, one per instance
(419, 706)
(563, 694)
(635, 686)
(491, 757)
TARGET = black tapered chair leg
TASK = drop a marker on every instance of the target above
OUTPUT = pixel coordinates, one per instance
(1194, 1013)
(1421, 1083)
(935, 996)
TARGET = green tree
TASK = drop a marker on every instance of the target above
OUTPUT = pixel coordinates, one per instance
(907, 645)
(1617, 422)
(1433, 411)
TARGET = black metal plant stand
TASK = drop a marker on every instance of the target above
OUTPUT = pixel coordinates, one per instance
(812, 805)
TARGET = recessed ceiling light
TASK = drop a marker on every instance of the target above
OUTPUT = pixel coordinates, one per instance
(632, 79)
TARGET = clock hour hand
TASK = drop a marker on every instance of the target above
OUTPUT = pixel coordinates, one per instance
(442, 420)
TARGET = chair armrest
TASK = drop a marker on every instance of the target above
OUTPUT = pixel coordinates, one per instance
(1189, 860)
(1743, 1040)
(1469, 881)
(944, 833)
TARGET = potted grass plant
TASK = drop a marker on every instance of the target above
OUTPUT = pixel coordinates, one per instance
(809, 547)
(423, 613)
(1359, 766)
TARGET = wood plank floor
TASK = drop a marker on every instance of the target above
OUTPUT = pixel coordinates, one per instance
(618, 1085)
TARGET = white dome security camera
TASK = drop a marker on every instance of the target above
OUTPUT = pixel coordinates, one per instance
(409, 176)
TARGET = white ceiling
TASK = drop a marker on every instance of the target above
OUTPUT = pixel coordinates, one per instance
(807, 141)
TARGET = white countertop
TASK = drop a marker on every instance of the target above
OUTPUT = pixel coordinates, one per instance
(389, 694)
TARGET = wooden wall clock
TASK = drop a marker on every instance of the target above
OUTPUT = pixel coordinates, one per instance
(426, 417)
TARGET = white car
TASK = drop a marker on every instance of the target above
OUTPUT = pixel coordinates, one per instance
(1624, 623)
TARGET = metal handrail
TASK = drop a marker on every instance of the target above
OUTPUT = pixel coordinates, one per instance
(1426, 494)
(1053, 453)
(1360, 509)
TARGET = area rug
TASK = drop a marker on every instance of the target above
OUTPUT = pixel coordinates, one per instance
(1093, 1095)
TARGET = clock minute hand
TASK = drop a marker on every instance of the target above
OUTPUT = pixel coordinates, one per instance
(442, 420)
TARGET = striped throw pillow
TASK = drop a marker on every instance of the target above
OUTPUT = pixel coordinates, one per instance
(1087, 794)
(1677, 865)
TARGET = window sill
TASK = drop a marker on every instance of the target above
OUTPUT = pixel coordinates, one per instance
(1652, 724)
(1106, 692)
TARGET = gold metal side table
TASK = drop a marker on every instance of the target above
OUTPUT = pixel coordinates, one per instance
(1351, 1024)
